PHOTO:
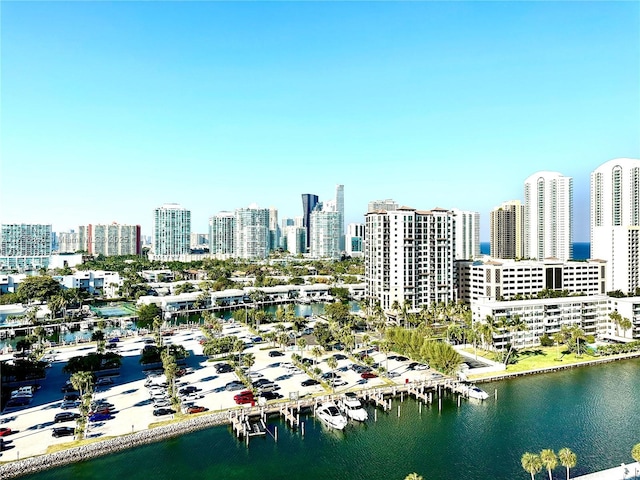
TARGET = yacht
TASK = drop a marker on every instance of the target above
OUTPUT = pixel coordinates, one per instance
(353, 409)
(331, 416)
(475, 392)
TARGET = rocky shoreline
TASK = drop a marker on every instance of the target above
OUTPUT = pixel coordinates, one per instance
(87, 452)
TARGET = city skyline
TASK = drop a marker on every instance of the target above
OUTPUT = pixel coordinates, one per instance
(111, 109)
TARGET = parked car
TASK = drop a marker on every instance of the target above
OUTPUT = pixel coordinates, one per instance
(422, 366)
(368, 375)
(63, 432)
(187, 390)
(65, 417)
(4, 431)
(276, 353)
(223, 368)
(271, 395)
(100, 417)
(161, 402)
(260, 382)
(71, 396)
(99, 409)
(159, 412)
(232, 386)
(104, 381)
(309, 382)
(196, 409)
(339, 356)
(242, 399)
(67, 404)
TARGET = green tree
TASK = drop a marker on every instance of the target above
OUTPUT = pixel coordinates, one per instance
(38, 287)
(332, 363)
(147, 314)
(317, 353)
(549, 460)
(568, 459)
(531, 463)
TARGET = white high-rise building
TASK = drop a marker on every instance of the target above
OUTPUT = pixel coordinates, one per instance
(274, 229)
(222, 228)
(376, 205)
(548, 212)
(467, 234)
(615, 222)
(340, 210)
(110, 239)
(171, 232)
(325, 230)
(354, 241)
(409, 256)
(25, 246)
(506, 226)
(295, 239)
(252, 232)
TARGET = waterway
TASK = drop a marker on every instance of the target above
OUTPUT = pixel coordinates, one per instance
(592, 410)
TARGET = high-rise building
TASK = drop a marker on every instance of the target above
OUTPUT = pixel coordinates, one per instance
(199, 241)
(294, 239)
(25, 246)
(506, 229)
(466, 228)
(252, 232)
(171, 231)
(340, 210)
(309, 202)
(325, 239)
(110, 239)
(376, 205)
(409, 257)
(222, 234)
(354, 240)
(68, 242)
(274, 229)
(548, 212)
(615, 222)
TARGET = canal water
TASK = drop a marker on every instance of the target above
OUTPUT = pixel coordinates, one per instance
(592, 410)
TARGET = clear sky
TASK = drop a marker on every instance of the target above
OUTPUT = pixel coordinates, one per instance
(110, 109)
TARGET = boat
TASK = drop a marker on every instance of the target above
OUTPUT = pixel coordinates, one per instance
(331, 416)
(474, 392)
(353, 409)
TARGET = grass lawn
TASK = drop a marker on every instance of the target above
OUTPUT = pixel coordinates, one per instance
(535, 358)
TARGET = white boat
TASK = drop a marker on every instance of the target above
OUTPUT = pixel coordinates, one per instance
(331, 416)
(475, 392)
(353, 408)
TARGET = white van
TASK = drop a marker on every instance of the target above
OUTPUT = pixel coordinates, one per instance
(23, 392)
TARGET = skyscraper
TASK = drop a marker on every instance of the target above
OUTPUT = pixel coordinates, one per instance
(409, 257)
(252, 232)
(548, 212)
(171, 231)
(325, 239)
(309, 202)
(340, 210)
(466, 226)
(506, 229)
(110, 239)
(222, 230)
(274, 229)
(615, 222)
(25, 246)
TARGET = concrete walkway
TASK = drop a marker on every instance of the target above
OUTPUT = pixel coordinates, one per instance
(629, 471)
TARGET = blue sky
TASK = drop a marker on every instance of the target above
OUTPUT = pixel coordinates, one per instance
(111, 109)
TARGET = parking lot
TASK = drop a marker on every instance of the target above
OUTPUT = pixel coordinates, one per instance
(133, 408)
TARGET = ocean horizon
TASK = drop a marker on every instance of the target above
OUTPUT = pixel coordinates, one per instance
(581, 250)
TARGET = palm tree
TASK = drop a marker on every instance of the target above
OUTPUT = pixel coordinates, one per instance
(82, 381)
(549, 460)
(557, 338)
(568, 459)
(316, 352)
(516, 324)
(302, 343)
(531, 463)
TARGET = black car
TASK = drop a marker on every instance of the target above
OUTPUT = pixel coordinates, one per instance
(187, 390)
(329, 375)
(309, 382)
(339, 356)
(159, 412)
(72, 396)
(400, 358)
(223, 368)
(233, 386)
(260, 382)
(68, 388)
(65, 417)
(63, 432)
(271, 395)
(276, 353)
